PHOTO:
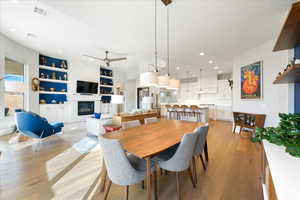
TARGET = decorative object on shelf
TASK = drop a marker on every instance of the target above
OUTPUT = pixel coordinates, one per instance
(97, 115)
(61, 102)
(65, 77)
(251, 81)
(53, 76)
(53, 65)
(47, 76)
(42, 75)
(35, 84)
(59, 78)
(42, 101)
(286, 134)
(52, 89)
(42, 89)
(63, 90)
(230, 82)
(63, 65)
(43, 60)
(53, 101)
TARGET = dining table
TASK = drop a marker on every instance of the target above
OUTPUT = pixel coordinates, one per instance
(148, 140)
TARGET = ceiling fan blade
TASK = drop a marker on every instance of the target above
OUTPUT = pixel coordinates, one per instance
(116, 59)
(94, 57)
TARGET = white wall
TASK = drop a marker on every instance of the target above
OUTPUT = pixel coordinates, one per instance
(29, 58)
(130, 92)
(275, 97)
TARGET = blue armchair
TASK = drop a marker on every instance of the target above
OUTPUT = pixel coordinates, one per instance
(34, 126)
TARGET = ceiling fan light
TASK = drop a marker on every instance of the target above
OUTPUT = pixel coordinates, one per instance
(148, 79)
(163, 81)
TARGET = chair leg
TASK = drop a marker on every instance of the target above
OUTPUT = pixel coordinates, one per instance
(107, 189)
(241, 129)
(143, 185)
(195, 170)
(202, 161)
(234, 129)
(127, 192)
(178, 185)
(206, 150)
(155, 185)
(191, 177)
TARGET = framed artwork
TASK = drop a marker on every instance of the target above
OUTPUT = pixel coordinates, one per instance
(251, 81)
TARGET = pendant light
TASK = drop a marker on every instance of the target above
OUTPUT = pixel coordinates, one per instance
(149, 79)
(174, 84)
(163, 80)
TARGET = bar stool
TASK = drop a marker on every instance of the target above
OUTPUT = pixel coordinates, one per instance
(169, 109)
(175, 111)
(189, 113)
(196, 112)
(182, 112)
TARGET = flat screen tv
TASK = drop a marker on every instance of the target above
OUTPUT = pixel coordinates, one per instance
(84, 87)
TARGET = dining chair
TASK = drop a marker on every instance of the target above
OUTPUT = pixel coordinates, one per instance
(179, 159)
(202, 133)
(150, 120)
(123, 169)
(131, 124)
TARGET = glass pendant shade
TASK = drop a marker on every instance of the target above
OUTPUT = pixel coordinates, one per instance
(174, 84)
(148, 79)
(163, 81)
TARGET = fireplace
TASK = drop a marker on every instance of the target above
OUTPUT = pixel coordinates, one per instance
(86, 107)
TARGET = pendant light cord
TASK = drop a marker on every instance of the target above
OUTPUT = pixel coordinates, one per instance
(155, 35)
(168, 40)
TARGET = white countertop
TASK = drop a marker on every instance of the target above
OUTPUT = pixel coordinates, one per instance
(285, 171)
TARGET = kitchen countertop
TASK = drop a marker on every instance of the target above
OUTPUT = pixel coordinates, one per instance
(285, 170)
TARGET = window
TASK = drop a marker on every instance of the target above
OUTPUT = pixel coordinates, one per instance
(14, 86)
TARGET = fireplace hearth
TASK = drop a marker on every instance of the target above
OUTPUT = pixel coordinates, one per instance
(86, 108)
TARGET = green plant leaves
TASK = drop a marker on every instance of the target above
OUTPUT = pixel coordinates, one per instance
(287, 133)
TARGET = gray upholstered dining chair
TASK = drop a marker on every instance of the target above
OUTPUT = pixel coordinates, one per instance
(178, 159)
(150, 120)
(131, 124)
(122, 169)
(202, 133)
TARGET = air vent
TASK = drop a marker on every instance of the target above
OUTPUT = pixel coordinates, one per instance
(40, 11)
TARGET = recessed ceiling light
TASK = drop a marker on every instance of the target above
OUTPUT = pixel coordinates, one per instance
(178, 68)
(31, 35)
(216, 67)
(210, 62)
(220, 71)
(202, 54)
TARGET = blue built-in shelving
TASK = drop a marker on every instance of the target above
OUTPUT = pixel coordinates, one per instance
(53, 76)
(106, 84)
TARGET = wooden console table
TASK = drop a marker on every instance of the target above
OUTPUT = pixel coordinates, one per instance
(117, 120)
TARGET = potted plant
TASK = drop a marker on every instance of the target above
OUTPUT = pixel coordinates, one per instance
(286, 134)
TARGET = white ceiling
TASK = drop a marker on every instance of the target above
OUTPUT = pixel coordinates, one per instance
(220, 28)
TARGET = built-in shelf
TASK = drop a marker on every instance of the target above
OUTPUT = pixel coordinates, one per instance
(50, 92)
(290, 34)
(53, 68)
(108, 86)
(106, 95)
(108, 77)
(53, 80)
(291, 75)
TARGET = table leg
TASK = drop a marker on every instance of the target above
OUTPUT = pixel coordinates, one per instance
(103, 177)
(206, 151)
(148, 178)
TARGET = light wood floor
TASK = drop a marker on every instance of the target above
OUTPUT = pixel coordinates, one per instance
(57, 171)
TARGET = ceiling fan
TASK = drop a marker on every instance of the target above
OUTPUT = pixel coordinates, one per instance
(107, 60)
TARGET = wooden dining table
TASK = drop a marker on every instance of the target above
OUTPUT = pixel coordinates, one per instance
(148, 140)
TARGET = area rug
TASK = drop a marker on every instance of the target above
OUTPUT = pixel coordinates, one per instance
(86, 144)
